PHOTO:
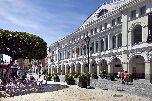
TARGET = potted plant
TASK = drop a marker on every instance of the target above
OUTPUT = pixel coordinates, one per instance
(49, 77)
(56, 78)
(69, 79)
(129, 78)
(83, 78)
(112, 77)
(94, 76)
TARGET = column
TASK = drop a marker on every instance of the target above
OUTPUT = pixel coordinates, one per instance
(104, 40)
(109, 42)
(98, 69)
(110, 68)
(124, 28)
(147, 69)
(75, 52)
(125, 66)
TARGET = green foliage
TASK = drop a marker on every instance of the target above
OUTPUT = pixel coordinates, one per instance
(83, 77)
(69, 77)
(49, 77)
(22, 45)
(55, 76)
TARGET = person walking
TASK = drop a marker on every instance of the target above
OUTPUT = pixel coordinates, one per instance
(122, 74)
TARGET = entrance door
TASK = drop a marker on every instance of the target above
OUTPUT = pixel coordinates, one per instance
(134, 72)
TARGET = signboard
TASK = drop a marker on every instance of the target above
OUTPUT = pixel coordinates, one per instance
(117, 65)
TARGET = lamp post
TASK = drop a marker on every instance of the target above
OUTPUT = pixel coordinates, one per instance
(87, 39)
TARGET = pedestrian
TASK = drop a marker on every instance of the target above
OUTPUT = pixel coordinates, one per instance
(104, 74)
(122, 73)
(101, 72)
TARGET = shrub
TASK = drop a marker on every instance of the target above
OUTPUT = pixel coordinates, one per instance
(49, 77)
(69, 77)
(83, 77)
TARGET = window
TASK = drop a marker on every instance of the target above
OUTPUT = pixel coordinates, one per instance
(91, 31)
(137, 35)
(106, 43)
(77, 51)
(119, 40)
(100, 27)
(95, 30)
(84, 35)
(68, 54)
(133, 14)
(87, 33)
(102, 45)
(113, 22)
(119, 20)
(113, 42)
(105, 25)
(143, 10)
(92, 47)
(84, 48)
(73, 53)
(81, 52)
(96, 46)
(102, 12)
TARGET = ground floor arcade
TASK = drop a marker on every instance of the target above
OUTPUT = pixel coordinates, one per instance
(138, 65)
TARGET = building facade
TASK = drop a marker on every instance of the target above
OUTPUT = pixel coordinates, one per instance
(120, 38)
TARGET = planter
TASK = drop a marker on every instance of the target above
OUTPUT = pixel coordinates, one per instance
(82, 84)
(72, 82)
(95, 77)
(56, 80)
(49, 78)
(112, 78)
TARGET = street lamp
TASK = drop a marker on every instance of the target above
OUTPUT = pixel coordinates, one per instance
(87, 39)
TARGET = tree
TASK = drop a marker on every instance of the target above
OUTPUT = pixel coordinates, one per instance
(22, 45)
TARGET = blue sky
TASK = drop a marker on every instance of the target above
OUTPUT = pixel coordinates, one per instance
(49, 19)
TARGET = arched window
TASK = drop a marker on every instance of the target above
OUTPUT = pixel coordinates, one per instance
(119, 40)
(137, 35)
(102, 12)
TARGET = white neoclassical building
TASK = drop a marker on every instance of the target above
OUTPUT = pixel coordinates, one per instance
(120, 38)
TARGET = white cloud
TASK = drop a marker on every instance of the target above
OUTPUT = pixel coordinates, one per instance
(32, 18)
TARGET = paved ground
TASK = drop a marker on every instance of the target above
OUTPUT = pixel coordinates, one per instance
(139, 87)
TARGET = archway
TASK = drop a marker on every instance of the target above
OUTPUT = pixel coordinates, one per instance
(59, 70)
(93, 67)
(63, 70)
(72, 69)
(116, 65)
(85, 67)
(103, 65)
(67, 69)
(78, 68)
(137, 67)
(137, 34)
